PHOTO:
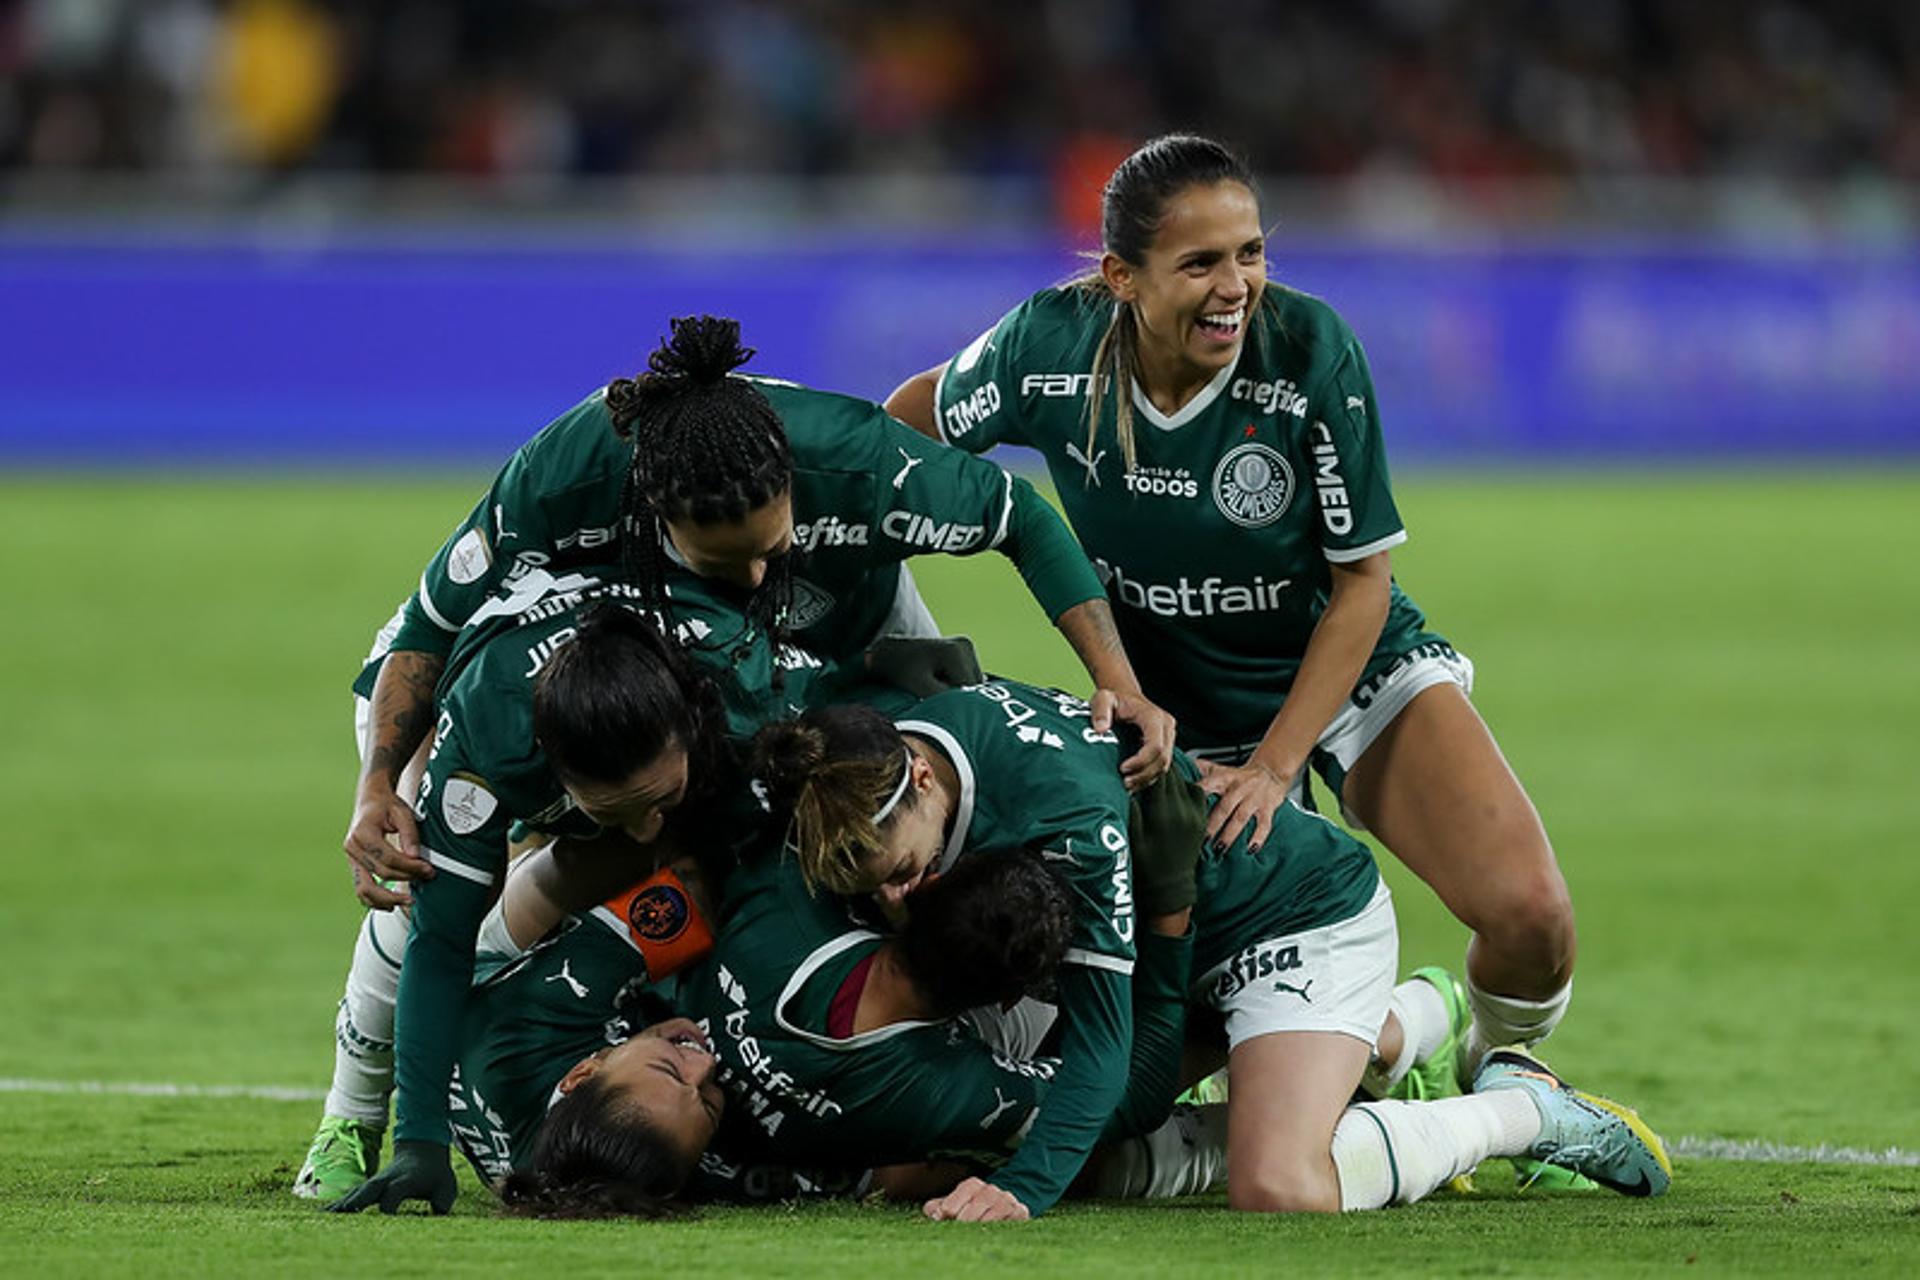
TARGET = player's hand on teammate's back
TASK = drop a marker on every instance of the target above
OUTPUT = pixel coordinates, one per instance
(1156, 727)
(383, 843)
(1250, 794)
(977, 1201)
(418, 1171)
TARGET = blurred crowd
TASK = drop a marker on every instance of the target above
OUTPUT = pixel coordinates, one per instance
(1047, 90)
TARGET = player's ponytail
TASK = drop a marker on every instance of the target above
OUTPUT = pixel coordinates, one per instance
(595, 1158)
(707, 448)
(840, 776)
(1133, 206)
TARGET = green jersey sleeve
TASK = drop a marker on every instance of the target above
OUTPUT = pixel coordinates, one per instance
(1160, 982)
(926, 498)
(431, 1008)
(1357, 514)
(475, 784)
(558, 497)
(1096, 1038)
(974, 404)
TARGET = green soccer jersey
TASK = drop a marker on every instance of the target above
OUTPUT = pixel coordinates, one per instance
(1215, 548)
(1035, 775)
(905, 1092)
(1307, 874)
(868, 492)
(580, 989)
(484, 772)
(527, 1025)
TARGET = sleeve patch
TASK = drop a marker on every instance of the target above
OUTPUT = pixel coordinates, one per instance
(970, 357)
(470, 558)
(466, 804)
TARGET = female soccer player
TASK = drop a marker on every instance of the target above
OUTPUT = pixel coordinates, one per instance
(880, 806)
(578, 718)
(1295, 945)
(808, 500)
(836, 1049)
(1216, 443)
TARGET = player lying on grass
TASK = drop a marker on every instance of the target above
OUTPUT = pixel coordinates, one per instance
(838, 1047)
(1244, 535)
(577, 718)
(1296, 947)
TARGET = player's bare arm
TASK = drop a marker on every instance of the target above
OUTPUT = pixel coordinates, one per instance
(1089, 627)
(912, 402)
(1337, 653)
(402, 711)
(572, 874)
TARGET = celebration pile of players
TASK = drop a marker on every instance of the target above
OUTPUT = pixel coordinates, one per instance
(704, 865)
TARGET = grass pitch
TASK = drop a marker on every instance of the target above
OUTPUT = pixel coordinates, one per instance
(1707, 684)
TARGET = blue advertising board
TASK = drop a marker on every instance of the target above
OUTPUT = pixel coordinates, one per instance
(360, 348)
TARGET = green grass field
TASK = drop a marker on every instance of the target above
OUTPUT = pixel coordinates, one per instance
(1708, 683)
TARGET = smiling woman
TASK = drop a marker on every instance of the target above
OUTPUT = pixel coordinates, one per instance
(1244, 545)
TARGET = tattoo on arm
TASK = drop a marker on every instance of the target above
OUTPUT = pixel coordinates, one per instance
(1089, 627)
(402, 710)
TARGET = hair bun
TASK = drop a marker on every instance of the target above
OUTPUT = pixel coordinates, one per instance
(786, 755)
(702, 349)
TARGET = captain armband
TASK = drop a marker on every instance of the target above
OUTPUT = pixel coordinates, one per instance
(663, 922)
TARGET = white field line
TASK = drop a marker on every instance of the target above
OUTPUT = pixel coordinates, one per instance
(1689, 1147)
(263, 1092)
(1695, 1148)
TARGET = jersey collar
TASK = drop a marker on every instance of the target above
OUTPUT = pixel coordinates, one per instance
(963, 767)
(1191, 409)
(811, 965)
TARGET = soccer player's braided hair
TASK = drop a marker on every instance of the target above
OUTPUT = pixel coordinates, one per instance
(829, 773)
(707, 447)
(595, 1158)
(1132, 208)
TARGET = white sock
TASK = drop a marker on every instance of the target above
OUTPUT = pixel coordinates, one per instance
(1183, 1157)
(1504, 1020)
(1422, 1015)
(1398, 1152)
(363, 1030)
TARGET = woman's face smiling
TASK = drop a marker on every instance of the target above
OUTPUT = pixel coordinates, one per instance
(1202, 278)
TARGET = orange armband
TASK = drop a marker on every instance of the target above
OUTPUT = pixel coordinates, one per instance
(663, 923)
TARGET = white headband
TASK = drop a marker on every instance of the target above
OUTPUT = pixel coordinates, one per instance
(906, 776)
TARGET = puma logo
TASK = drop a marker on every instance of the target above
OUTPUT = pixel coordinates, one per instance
(566, 975)
(1003, 1103)
(1300, 991)
(911, 462)
(1091, 464)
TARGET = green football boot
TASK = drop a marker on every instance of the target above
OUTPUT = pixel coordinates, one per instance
(1538, 1175)
(1439, 1075)
(344, 1154)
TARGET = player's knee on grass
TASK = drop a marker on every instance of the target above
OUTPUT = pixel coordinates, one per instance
(1281, 1182)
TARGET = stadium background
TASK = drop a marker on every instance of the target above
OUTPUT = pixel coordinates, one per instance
(281, 282)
